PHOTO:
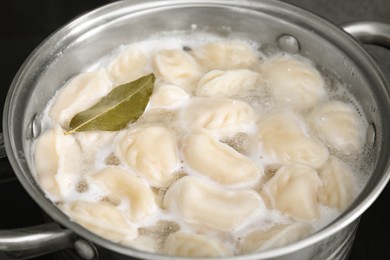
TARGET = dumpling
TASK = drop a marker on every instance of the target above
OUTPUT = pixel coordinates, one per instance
(293, 190)
(224, 117)
(284, 137)
(129, 65)
(202, 203)
(144, 243)
(295, 83)
(337, 188)
(283, 119)
(194, 245)
(102, 219)
(338, 123)
(168, 96)
(218, 161)
(220, 83)
(151, 151)
(277, 236)
(224, 55)
(129, 187)
(177, 67)
(79, 94)
(57, 162)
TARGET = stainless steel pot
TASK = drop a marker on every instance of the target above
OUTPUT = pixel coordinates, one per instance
(82, 42)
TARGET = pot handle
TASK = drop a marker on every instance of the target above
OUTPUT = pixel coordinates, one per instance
(24, 243)
(34, 241)
(29, 242)
(369, 32)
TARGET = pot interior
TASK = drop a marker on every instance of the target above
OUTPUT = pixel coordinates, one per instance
(79, 45)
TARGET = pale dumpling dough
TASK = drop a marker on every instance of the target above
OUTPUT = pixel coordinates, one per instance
(79, 94)
(293, 190)
(226, 83)
(177, 67)
(222, 116)
(101, 218)
(58, 162)
(337, 188)
(144, 243)
(129, 187)
(168, 96)
(277, 236)
(294, 82)
(219, 161)
(129, 65)
(339, 124)
(151, 151)
(194, 245)
(284, 137)
(225, 55)
(204, 204)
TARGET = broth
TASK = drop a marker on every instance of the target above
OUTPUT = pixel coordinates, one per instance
(236, 151)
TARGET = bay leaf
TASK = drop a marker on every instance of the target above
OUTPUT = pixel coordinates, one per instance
(123, 105)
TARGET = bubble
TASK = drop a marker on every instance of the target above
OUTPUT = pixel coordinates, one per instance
(82, 187)
(112, 160)
(237, 142)
(160, 231)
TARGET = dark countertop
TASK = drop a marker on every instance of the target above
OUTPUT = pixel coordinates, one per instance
(24, 24)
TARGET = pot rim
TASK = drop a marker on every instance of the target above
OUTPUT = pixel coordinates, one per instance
(95, 16)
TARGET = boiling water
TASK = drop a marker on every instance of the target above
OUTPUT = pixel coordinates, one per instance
(99, 150)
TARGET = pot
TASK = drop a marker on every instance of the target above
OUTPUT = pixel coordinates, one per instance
(79, 44)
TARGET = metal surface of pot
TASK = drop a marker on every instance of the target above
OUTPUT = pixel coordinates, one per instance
(80, 44)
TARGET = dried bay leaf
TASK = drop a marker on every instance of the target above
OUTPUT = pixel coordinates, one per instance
(123, 105)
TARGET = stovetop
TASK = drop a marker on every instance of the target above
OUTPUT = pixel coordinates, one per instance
(24, 24)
